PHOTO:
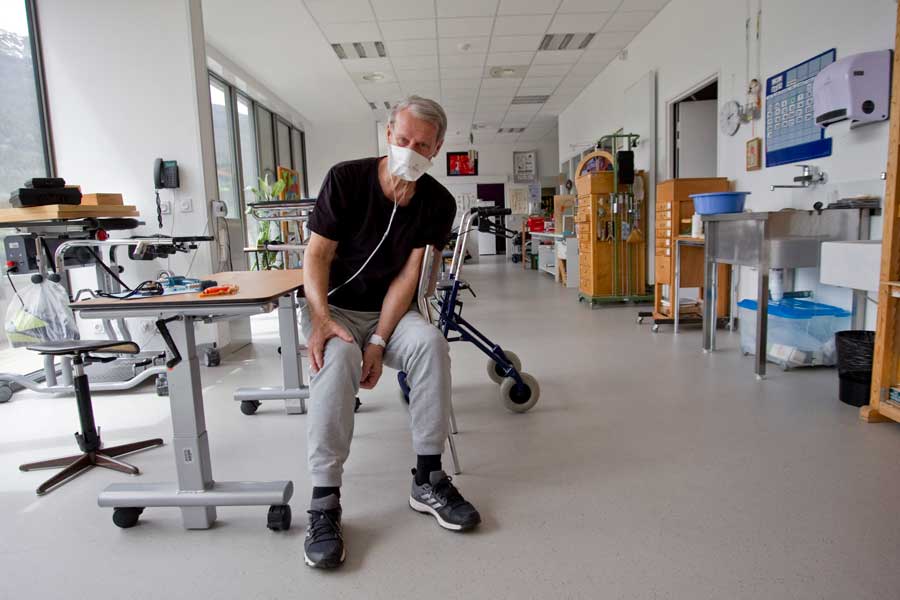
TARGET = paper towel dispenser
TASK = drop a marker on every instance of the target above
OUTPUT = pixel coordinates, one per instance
(856, 87)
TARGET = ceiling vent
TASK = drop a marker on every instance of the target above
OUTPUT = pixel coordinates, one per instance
(372, 106)
(512, 72)
(511, 130)
(566, 41)
(348, 50)
(530, 99)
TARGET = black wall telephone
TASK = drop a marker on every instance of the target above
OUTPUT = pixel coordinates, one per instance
(165, 174)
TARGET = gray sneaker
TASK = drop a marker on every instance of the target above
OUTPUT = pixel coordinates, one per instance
(440, 498)
(324, 544)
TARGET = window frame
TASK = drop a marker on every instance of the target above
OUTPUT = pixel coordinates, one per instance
(40, 83)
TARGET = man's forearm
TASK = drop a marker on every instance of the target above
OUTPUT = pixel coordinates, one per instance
(315, 285)
(396, 304)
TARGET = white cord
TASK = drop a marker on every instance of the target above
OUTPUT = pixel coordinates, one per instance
(384, 237)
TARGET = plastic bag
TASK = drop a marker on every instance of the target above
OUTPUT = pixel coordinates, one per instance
(42, 315)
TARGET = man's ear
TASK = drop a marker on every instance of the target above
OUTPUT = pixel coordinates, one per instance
(438, 149)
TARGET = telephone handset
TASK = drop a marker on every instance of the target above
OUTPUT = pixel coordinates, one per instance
(165, 176)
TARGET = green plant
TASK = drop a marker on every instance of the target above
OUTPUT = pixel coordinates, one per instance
(266, 192)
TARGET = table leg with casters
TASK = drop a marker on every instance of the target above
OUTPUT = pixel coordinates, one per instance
(292, 390)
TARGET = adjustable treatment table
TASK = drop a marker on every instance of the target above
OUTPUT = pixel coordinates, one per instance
(196, 492)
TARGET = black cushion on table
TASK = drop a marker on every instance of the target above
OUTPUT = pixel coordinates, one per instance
(82, 346)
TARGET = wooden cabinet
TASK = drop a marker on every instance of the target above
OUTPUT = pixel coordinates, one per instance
(674, 209)
(612, 236)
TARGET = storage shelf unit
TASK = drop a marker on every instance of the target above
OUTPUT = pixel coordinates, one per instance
(612, 258)
(674, 209)
(886, 363)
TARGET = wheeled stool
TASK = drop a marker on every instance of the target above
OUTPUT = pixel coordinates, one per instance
(92, 452)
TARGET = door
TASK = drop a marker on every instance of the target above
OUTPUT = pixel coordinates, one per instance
(695, 144)
(493, 193)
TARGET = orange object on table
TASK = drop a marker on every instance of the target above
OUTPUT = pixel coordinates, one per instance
(219, 290)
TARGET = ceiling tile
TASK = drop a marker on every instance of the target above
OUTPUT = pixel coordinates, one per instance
(548, 70)
(460, 84)
(493, 116)
(616, 40)
(386, 10)
(537, 87)
(576, 81)
(499, 84)
(495, 59)
(340, 11)
(463, 60)
(387, 78)
(477, 45)
(410, 47)
(586, 6)
(522, 112)
(351, 32)
(587, 69)
(464, 73)
(415, 62)
(414, 29)
(598, 55)
(466, 8)
(528, 7)
(629, 21)
(580, 23)
(521, 25)
(422, 88)
(413, 74)
(380, 92)
(491, 102)
(630, 5)
(515, 43)
(557, 57)
(366, 65)
(460, 94)
(465, 26)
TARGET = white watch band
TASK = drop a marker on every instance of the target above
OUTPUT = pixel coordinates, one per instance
(377, 340)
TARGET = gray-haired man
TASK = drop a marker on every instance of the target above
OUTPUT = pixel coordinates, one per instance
(373, 219)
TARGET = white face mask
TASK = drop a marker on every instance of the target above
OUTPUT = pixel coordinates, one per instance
(406, 164)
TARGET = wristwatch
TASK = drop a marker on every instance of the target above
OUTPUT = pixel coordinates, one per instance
(377, 340)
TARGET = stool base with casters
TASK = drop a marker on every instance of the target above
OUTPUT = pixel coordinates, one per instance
(92, 452)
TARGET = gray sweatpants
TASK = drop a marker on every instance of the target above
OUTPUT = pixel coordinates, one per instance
(416, 347)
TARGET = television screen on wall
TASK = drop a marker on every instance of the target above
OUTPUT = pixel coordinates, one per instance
(458, 164)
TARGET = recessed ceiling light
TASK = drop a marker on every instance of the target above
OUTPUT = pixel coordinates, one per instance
(506, 72)
(374, 76)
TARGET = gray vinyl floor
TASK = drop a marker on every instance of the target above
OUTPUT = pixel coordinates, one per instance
(647, 470)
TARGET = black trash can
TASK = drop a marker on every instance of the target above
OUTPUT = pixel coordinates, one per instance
(854, 363)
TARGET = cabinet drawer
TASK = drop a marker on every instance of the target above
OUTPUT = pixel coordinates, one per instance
(663, 270)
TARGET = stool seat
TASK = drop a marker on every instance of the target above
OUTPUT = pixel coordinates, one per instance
(75, 347)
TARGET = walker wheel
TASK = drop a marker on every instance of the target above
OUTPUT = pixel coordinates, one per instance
(126, 516)
(496, 373)
(640, 320)
(517, 397)
(357, 405)
(6, 392)
(655, 328)
(248, 407)
(279, 518)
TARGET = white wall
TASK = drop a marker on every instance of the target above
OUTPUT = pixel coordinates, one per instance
(691, 40)
(496, 161)
(126, 83)
(328, 143)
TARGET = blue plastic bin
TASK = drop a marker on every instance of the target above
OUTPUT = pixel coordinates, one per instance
(719, 202)
(800, 333)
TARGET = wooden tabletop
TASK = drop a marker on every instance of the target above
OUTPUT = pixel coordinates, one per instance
(65, 212)
(256, 287)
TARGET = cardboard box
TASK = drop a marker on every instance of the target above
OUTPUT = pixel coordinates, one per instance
(102, 199)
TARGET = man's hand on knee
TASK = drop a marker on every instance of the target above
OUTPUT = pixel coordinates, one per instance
(373, 357)
(321, 333)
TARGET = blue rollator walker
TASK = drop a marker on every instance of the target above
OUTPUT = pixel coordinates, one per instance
(519, 391)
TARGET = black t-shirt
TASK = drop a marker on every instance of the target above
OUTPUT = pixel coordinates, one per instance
(353, 211)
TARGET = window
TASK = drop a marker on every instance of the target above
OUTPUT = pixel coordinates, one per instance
(297, 154)
(223, 135)
(283, 131)
(266, 145)
(24, 147)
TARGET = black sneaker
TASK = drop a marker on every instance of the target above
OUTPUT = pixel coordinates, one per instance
(324, 545)
(440, 498)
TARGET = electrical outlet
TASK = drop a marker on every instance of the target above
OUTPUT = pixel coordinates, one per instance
(165, 206)
(187, 205)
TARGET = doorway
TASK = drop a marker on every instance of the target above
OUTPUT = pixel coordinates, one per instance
(494, 193)
(694, 134)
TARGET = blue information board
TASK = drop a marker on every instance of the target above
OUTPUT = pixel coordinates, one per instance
(791, 131)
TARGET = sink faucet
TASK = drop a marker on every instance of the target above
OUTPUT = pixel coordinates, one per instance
(811, 176)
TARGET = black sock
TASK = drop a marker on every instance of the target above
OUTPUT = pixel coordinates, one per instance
(324, 492)
(425, 464)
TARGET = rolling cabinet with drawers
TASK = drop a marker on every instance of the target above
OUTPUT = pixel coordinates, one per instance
(674, 209)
